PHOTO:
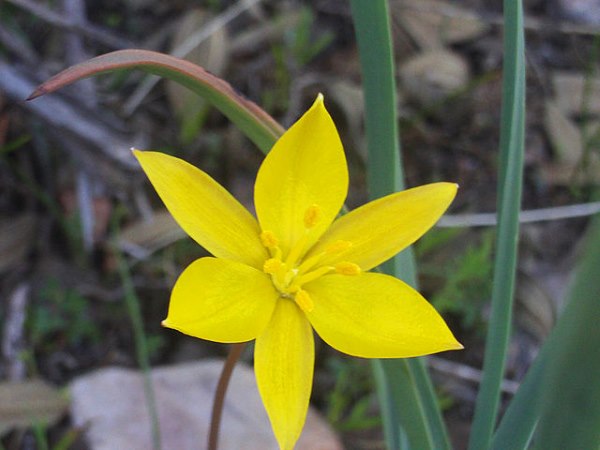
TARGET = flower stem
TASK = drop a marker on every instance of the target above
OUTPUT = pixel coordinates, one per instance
(215, 421)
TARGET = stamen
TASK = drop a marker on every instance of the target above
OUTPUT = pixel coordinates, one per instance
(296, 251)
(338, 246)
(335, 247)
(304, 301)
(312, 216)
(347, 268)
(311, 276)
(272, 266)
(268, 239)
(309, 263)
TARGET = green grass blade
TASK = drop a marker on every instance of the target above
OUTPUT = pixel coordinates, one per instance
(141, 346)
(253, 121)
(521, 417)
(413, 406)
(388, 399)
(570, 411)
(509, 201)
(399, 397)
(560, 391)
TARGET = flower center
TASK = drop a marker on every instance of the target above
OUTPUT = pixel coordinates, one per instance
(290, 272)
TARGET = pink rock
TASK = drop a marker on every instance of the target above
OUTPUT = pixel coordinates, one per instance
(111, 406)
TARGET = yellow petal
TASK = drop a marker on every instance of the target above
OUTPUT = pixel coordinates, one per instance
(373, 315)
(284, 361)
(384, 227)
(222, 301)
(204, 209)
(303, 180)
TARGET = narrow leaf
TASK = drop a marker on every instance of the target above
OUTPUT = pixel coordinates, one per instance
(521, 417)
(408, 402)
(259, 126)
(509, 201)
(560, 386)
(570, 412)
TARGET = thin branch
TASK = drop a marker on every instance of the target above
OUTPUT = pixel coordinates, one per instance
(532, 215)
(86, 93)
(13, 336)
(89, 30)
(530, 23)
(186, 47)
(14, 43)
(468, 373)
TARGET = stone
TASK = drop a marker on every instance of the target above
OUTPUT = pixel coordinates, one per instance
(110, 405)
(432, 76)
(433, 24)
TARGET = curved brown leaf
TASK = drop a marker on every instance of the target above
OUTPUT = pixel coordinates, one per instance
(253, 121)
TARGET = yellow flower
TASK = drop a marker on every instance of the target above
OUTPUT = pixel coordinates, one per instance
(298, 267)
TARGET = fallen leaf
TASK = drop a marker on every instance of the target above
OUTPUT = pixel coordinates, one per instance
(143, 238)
(23, 404)
(16, 239)
(569, 91)
(564, 134)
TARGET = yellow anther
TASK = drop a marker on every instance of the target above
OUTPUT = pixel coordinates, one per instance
(338, 246)
(312, 216)
(268, 239)
(304, 301)
(347, 268)
(272, 266)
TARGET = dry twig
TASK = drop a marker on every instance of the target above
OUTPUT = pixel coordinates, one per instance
(88, 30)
(532, 215)
(13, 336)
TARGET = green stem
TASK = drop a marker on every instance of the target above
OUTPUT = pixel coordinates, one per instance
(414, 404)
(509, 201)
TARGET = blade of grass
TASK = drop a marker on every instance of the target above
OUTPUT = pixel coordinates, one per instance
(521, 417)
(39, 433)
(259, 126)
(559, 385)
(141, 343)
(405, 390)
(68, 439)
(570, 410)
(509, 200)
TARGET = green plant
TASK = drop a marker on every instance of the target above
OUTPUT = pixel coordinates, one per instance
(291, 55)
(349, 403)
(465, 277)
(557, 405)
(64, 312)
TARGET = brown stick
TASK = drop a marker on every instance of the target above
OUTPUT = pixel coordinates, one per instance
(215, 422)
(89, 30)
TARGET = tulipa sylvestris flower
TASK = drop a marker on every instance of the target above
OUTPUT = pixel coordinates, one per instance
(298, 267)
